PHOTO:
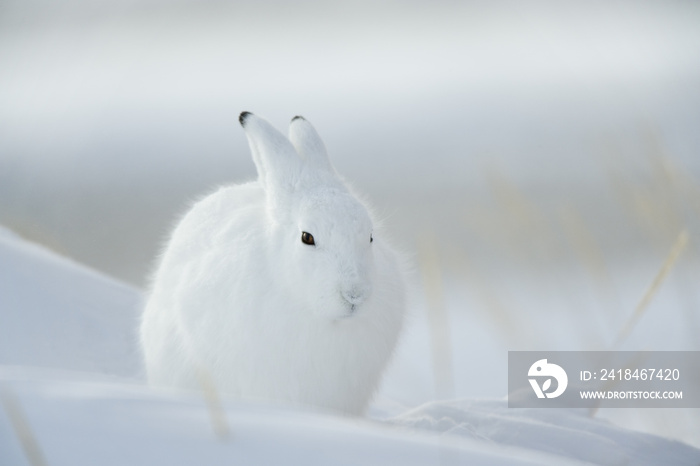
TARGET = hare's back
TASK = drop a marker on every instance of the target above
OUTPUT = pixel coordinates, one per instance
(222, 219)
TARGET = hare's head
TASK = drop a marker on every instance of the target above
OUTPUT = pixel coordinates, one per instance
(322, 236)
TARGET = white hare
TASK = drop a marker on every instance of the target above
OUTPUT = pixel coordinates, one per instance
(281, 289)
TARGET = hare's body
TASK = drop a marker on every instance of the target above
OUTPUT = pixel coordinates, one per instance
(238, 297)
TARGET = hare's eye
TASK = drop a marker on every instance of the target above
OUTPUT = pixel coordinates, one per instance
(307, 238)
(371, 238)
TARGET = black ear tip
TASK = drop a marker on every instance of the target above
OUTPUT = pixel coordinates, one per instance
(243, 117)
(298, 117)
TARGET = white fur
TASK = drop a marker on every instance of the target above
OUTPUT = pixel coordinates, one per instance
(238, 295)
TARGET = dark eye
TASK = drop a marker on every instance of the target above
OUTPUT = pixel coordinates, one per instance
(370, 238)
(307, 238)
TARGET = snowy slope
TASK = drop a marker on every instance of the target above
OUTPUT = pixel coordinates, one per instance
(56, 313)
(88, 422)
(69, 384)
(83, 419)
(568, 433)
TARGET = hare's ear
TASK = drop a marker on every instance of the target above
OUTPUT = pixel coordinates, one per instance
(308, 143)
(276, 160)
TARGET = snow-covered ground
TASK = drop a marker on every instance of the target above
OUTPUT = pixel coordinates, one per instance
(60, 314)
(72, 393)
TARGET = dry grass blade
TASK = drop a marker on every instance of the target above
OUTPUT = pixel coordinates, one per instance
(678, 247)
(22, 428)
(216, 409)
(588, 251)
(493, 308)
(438, 321)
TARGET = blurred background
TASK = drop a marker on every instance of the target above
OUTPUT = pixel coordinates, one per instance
(538, 162)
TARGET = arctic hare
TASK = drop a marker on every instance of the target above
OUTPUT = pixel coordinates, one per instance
(282, 289)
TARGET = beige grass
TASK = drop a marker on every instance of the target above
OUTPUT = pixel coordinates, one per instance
(676, 250)
(217, 414)
(438, 320)
(23, 430)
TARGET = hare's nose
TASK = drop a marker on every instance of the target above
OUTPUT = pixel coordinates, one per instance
(353, 296)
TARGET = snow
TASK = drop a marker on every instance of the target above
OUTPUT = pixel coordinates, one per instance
(59, 314)
(70, 370)
(568, 433)
(89, 422)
